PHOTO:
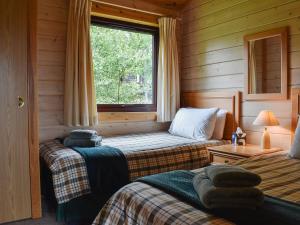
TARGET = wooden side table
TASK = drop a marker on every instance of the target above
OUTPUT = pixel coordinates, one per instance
(231, 153)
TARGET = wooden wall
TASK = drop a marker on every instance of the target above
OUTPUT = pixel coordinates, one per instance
(213, 57)
(52, 28)
(51, 31)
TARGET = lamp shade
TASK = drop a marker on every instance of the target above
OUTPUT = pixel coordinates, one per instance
(266, 118)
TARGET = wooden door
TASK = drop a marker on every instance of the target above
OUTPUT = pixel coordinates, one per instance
(15, 198)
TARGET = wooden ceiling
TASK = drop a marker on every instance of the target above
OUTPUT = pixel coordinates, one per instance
(172, 4)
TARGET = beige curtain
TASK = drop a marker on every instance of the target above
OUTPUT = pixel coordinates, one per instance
(80, 107)
(168, 90)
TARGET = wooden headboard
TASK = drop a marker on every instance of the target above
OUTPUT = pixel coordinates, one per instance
(230, 101)
(295, 110)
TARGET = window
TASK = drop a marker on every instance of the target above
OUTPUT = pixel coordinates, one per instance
(125, 65)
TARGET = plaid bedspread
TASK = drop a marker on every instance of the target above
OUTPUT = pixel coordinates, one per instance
(280, 175)
(69, 172)
(146, 154)
(139, 203)
(142, 204)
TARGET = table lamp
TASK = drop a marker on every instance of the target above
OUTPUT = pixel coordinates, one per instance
(266, 118)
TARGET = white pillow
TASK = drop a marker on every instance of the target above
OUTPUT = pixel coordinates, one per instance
(194, 123)
(220, 125)
(295, 149)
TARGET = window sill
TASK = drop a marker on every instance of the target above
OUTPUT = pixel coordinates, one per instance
(118, 117)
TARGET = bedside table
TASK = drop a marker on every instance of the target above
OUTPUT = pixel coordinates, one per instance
(231, 153)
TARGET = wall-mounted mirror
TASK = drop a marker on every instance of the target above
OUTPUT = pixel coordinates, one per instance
(266, 63)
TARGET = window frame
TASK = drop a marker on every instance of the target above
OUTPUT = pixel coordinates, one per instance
(127, 26)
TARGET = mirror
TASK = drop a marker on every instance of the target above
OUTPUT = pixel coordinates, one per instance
(266, 55)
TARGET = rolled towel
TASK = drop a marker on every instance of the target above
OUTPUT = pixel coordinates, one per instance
(216, 197)
(83, 134)
(76, 142)
(231, 176)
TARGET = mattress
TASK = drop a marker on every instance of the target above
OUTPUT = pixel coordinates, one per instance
(148, 205)
(151, 141)
(146, 154)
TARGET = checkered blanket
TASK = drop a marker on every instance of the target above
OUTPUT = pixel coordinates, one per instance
(280, 175)
(139, 203)
(69, 172)
(146, 154)
(142, 204)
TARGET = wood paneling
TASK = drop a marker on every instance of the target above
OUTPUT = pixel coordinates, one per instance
(117, 117)
(216, 82)
(231, 10)
(51, 38)
(52, 31)
(15, 193)
(172, 4)
(51, 73)
(104, 128)
(253, 23)
(50, 103)
(51, 87)
(212, 53)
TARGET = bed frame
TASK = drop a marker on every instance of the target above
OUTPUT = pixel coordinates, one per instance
(231, 101)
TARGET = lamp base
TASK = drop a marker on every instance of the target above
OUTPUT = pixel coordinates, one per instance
(265, 140)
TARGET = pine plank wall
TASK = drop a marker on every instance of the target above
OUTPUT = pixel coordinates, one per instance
(212, 60)
(213, 57)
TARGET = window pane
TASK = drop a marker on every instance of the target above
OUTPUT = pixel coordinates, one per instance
(122, 66)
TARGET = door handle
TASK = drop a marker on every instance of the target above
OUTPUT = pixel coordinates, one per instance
(21, 102)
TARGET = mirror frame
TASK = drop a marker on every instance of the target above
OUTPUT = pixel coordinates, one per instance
(283, 34)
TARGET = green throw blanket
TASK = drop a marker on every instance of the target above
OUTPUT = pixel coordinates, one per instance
(107, 171)
(83, 134)
(178, 183)
(84, 142)
(226, 197)
(231, 176)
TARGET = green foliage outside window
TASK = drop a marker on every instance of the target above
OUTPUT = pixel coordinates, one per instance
(122, 66)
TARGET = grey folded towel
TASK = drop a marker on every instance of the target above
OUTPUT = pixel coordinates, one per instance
(218, 197)
(76, 142)
(231, 176)
(83, 134)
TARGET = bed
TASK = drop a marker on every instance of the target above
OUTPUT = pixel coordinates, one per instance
(141, 203)
(65, 178)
